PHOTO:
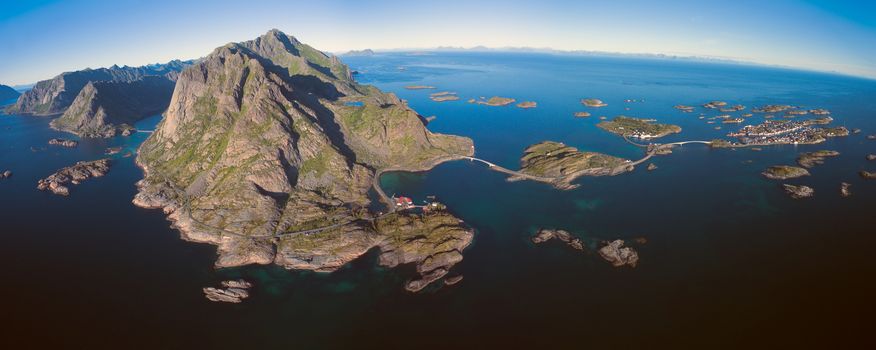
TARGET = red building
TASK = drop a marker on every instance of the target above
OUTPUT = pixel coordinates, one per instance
(403, 202)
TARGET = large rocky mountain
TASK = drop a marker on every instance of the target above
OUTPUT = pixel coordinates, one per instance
(103, 108)
(7, 93)
(268, 150)
(54, 96)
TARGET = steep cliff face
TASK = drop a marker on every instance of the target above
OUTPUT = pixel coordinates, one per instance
(104, 108)
(7, 93)
(53, 96)
(263, 153)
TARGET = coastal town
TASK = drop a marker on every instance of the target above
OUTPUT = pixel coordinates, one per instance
(787, 132)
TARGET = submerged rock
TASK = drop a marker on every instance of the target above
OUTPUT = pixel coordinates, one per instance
(651, 167)
(798, 192)
(74, 174)
(618, 255)
(869, 175)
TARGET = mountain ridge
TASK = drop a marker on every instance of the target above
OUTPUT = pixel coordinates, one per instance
(263, 141)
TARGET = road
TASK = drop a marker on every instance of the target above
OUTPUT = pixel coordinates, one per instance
(511, 172)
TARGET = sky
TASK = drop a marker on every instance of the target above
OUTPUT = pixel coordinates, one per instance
(42, 38)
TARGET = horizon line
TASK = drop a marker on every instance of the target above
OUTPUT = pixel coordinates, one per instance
(541, 50)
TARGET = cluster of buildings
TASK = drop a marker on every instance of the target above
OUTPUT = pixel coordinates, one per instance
(406, 203)
(770, 133)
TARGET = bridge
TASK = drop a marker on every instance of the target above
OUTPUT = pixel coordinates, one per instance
(501, 169)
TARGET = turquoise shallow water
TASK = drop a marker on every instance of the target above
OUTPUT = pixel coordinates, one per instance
(729, 258)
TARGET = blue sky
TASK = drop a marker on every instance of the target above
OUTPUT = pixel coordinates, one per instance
(41, 38)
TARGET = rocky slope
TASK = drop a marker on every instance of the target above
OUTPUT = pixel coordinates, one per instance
(7, 93)
(53, 96)
(103, 108)
(263, 154)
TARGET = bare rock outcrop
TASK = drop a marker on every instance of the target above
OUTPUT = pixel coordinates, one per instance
(232, 291)
(63, 143)
(544, 235)
(618, 255)
(74, 174)
(798, 192)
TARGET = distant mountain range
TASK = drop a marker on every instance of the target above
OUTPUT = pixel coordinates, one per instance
(7, 93)
(104, 98)
(366, 52)
(481, 48)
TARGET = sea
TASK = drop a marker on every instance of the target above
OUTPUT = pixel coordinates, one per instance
(727, 259)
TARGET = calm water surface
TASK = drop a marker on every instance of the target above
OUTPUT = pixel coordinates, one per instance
(730, 259)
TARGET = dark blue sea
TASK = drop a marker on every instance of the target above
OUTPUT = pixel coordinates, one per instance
(730, 261)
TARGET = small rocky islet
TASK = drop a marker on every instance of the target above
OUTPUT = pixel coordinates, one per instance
(444, 96)
(613, 252)
(638, 128)
(811, 159)
(593, 102)
(74, 174)
(63, 142)
(798, 191)
(232, 291)
(496, 101)
(559, 164)
(527, 104)
(784, 172)
(619, 255)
